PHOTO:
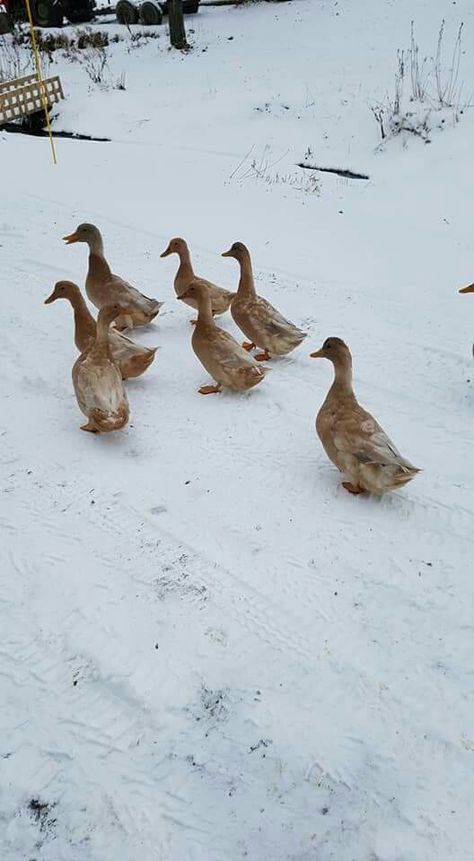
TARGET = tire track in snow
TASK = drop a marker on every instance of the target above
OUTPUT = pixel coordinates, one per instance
(251, 608)
(255, 611)
(102, 717)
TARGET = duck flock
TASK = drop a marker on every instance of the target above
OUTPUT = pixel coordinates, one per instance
(351, 437)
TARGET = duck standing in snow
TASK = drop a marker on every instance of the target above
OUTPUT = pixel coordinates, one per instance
(257, 319)
(220, 298)
(133, 359)
(226, 361)
(351, 437)
(468, 289)
(98, 382)
(104, 288)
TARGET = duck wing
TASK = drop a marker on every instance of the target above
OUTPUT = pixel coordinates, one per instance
(224, 349)
(266, 315)
(127, 294)
(356, 432)
(122, 346)
(231, 354)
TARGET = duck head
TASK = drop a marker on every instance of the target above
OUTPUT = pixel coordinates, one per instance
(88, 233)
(333, 349)
(238, 251)
(195, 290)
(175, 246)
(62, 290)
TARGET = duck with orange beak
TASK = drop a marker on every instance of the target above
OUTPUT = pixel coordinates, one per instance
(133, 359)
(220, 298)
(229, 365)
(352, 439)
(258, 320)
(98, 382)
(104, 288)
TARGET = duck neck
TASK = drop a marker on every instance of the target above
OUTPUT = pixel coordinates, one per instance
(101, 346)
(342, 385)
(205, 317)
(96, 243)
(98, 266)
(246, 283)
(84, 323)
(185, 273)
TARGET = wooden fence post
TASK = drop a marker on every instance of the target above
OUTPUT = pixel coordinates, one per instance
(176, 22)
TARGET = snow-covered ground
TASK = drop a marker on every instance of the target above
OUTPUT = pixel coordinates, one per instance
(208, 649)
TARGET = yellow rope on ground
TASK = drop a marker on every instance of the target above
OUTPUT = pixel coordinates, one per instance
(42, 87)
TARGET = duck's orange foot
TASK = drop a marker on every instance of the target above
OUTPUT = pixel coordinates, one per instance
(352, 488)
(262, 357)
(89, 427)
(248, 345)
(209, 390)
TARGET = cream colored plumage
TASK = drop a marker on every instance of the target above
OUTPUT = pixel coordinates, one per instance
(98, 382)
(351, 437)
(220, 298)
(225, 360)
(259, 321)
(133, 359)
(104, 288)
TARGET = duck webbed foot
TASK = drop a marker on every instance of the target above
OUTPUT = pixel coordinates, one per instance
(352, 488)
(209, 390)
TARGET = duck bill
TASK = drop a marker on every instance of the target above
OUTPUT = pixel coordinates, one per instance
(73, 237)
(318, 354)
(166, 252)
(227, 253)
(469, 289)
(50, 298)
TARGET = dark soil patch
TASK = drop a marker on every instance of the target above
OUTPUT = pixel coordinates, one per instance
(339, 171)
(15, 129)
(41, 811)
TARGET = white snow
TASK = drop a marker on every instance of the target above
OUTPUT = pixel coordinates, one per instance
(209, 650)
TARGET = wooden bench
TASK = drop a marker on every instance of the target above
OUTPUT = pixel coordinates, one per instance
(22, 97)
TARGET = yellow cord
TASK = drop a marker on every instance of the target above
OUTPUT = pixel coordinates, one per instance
(42, 87)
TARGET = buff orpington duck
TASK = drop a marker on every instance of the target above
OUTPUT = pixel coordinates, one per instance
(133, 359)
(226, 361)
(468, 289)
(220, 298)
(351, 437)
(104, 288)
(98, 382)
(259, 321)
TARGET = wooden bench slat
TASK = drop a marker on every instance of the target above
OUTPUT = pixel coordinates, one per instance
(22, 96)
(18, 82)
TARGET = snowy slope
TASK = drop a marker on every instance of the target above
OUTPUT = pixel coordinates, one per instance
(209, 650)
